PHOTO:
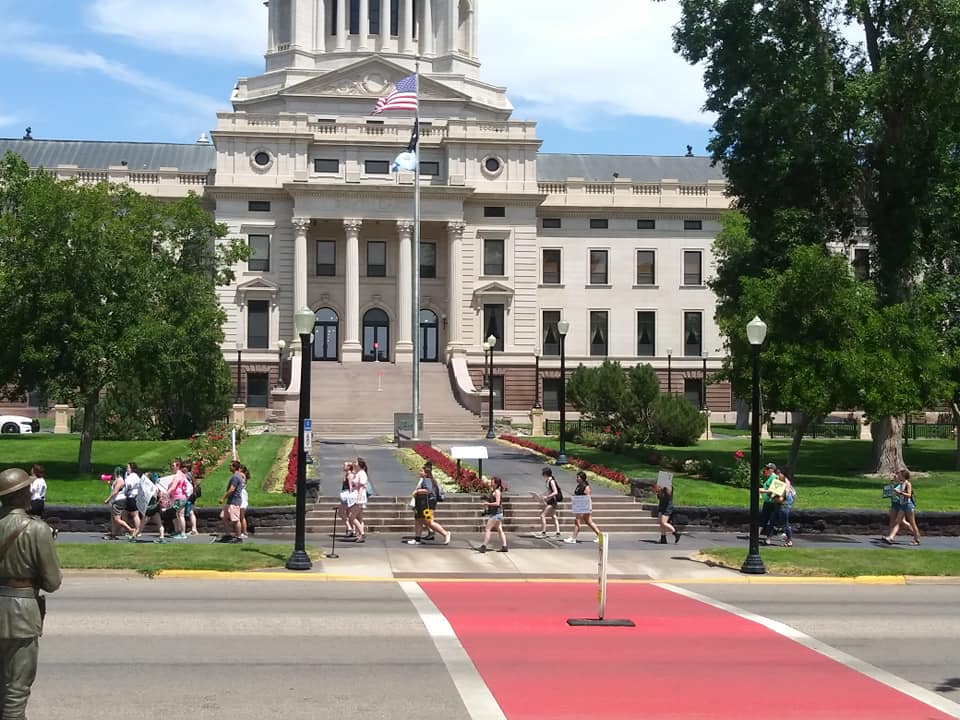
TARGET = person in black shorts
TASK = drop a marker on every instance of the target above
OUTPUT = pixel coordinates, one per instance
(548, 503)
(665, 514)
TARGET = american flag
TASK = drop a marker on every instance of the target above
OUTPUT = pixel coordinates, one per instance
(402, 97)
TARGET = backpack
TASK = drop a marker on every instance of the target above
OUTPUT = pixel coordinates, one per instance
(559, 497)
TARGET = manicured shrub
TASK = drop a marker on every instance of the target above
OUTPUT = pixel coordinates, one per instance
(676, 422)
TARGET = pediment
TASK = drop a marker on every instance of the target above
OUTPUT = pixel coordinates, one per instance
(493, 290)
(369, 78)
(257, 285)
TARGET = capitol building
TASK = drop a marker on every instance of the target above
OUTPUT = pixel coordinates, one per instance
(513, 240)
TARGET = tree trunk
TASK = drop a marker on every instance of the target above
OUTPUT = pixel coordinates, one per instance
(800, 424)
(888, 445)
(955, 407)
(86, 435)
(743, 414)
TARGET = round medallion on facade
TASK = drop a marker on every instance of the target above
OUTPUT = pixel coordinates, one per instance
(261, 160)
(492, 166)
(375, 83)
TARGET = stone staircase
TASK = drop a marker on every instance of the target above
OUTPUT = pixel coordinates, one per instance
(462, 513)
(358, 400)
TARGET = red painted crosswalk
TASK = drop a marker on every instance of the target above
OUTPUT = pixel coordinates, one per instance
(684, 659)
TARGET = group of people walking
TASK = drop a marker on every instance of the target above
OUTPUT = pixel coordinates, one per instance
(355, 493)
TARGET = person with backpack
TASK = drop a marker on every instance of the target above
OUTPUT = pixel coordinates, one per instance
(906, 509)
(424, 501)
(549, 503)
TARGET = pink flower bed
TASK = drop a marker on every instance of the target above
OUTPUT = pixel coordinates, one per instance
(467, 480)
(290, 482)
(601, 470)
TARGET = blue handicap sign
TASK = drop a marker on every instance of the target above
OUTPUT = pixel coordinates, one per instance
(307, 424)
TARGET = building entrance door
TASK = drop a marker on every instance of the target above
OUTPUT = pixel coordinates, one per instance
(429, 336)
(376, 336)
(325, 335)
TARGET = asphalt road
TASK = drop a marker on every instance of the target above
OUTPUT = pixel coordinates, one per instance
(911, 631)
(137, 648)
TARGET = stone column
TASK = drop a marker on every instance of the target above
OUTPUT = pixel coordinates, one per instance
(406, 27)
(342, 24)
(386, 20)
(300, 227)
(455, 287)
(352, 351)
(404, 349)
(320, 27)
(364, 24)
(426, 28)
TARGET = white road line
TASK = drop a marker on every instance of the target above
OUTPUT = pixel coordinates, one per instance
(872, 671)
(475, 694)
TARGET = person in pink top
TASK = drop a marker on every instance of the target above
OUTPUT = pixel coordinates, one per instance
(177, 490)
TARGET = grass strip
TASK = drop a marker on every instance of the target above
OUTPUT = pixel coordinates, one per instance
(150, 558)
(845, 562)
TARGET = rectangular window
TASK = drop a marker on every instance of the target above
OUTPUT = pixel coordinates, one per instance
(861, 264)
(260, 253)
(552, 223)
(494, 211)
(551, 266)
(646, 334)
(326, 258)
(551, 394)
(376, 167)
(598, 333)
(428, 260)
(693, 224)
(646, 224)
(284, 23)
(693, 391)
(493, 324)
(692, 333)
(258, 324)
(494, 257)
(646, 267)
(394, 17)
(374, 16)
(598, 267)
(326, 165)
(599, 223)
(258, 389)
(354, 18)
(692, 267)
(551, 334)
(258, 206)
(376, 259)
(429, 167)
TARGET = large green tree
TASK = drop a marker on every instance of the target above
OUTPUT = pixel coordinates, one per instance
(834, 114)
(101, 284)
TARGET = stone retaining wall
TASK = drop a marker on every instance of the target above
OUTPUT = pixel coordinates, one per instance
(96, 518)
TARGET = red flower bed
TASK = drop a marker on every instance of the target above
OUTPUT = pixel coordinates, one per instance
(601, 470)
(467, 480)
(290, 482)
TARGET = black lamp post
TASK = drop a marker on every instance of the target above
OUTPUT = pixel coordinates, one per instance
(703, 384)
(303, 321)
(239, 357)
(492, 342)
(753, 565)
(669, 371)
(563, 327)
(536, 379)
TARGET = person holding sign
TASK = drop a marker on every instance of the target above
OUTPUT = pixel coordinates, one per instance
(581, 509)
(782, 494)
(665, 507)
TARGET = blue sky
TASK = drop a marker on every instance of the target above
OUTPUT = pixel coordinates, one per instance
(158, 71)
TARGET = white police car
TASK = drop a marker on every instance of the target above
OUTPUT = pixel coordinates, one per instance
(18, 424)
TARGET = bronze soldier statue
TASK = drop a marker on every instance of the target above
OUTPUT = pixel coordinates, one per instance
(28, 564)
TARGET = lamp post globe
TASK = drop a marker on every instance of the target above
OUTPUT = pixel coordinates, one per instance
(491, 343)
(563, 327)
(303, 323)
(753, 564)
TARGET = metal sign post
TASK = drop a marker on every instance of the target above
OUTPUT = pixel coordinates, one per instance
(603, 550)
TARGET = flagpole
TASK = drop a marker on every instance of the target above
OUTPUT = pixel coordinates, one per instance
(416, 264)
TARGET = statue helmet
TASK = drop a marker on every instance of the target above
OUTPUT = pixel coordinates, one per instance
(13, 479)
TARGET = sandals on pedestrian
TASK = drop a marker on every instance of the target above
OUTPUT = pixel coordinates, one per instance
(887, 540)
(914, 542)
(788, 543)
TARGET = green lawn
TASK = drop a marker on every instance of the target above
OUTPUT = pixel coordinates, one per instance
(845, 562)
(67, 486)
(729, 429)
(829, 472)
(150, 557)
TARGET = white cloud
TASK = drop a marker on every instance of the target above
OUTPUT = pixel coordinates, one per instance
(564, 59)
(20, 41)
(222, 29)
(6, 120)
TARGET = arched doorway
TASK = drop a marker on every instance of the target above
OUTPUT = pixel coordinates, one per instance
(429, 336)
(326, 333)
(376, 336)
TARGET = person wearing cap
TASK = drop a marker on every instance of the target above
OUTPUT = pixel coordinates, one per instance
(769, 510)
(28, 564)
